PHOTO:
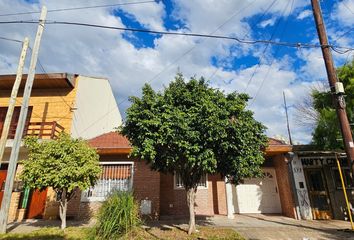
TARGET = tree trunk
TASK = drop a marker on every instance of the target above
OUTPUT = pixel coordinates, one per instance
(191, 194)
(62, 209)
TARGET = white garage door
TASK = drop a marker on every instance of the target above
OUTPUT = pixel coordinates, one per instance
(258, 195)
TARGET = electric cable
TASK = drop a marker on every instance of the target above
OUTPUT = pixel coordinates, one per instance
(265, 49)
(169, 65)
(345, 5)
(11, 39)
(244, 41)
(277, 51)
(77, 8)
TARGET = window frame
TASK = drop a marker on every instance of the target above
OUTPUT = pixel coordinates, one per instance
(101, 199)
(175, 187)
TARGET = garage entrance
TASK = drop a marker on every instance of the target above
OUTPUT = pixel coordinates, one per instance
(258, 195)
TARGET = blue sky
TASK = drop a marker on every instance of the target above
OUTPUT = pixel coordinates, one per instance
(131, 59)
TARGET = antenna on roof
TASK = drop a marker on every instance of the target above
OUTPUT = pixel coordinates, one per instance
(287, 119)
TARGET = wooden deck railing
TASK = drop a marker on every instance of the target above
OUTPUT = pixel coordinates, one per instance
(42, 130)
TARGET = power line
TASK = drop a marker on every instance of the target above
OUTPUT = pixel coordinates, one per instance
(196, 45)
(169, 65)
(41, 66)
(345, 5)
(78, 8)
(343, 34)
(11, 39)
(264, 13)
(247, 32)
(339, 51)
(277, 51)
(265, 49)
(244, 41)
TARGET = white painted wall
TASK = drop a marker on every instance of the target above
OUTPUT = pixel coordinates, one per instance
(301, 191)
(229, 200)
(96, 111)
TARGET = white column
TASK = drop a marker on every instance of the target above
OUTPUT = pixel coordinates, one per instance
(229, 201)
(301, 189)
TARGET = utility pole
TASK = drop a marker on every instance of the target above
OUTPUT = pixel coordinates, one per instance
(5, 205)
(336, 87)
(12, 102)
(287, 119)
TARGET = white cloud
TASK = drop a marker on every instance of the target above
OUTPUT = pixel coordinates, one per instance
(268, 22)
(304, 14)
(101, 52)
(150, 14)
(343, 12)
(269, 81)
(314, 69)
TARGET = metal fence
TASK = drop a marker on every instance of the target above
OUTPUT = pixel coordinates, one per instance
(114, 177)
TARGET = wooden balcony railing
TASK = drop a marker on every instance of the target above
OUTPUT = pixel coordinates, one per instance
(42, 130)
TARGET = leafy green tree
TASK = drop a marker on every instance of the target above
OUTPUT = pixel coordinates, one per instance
(327, 133)
(65, 164)
(191, 129)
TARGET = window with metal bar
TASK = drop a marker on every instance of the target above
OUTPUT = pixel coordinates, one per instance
(203, 183)
(114, 177)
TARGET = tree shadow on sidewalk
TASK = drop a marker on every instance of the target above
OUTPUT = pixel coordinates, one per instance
(174, 224)
(330, 232)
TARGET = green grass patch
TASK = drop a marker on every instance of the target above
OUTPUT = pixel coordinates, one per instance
(53, 233)
(137, 233)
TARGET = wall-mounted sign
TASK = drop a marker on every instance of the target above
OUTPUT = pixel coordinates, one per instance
(321, 161)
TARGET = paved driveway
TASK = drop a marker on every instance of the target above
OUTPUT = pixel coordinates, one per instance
(266, 227)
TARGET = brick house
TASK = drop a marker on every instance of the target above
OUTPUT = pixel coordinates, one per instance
(162, 195)
(59, 102)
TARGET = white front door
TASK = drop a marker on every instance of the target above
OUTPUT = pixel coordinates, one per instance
(258, 195)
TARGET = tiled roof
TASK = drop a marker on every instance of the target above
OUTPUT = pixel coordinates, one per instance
(116, 140)
(110, 140)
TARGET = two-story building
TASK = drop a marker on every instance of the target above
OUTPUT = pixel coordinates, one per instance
(79, 105)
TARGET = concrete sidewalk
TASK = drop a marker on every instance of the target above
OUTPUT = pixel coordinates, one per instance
(268, 227)
(251, 226)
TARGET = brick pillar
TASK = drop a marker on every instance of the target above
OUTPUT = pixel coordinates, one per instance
(15, 199)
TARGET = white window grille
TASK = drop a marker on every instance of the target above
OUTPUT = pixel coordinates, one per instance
(203, 183)
(114, 177)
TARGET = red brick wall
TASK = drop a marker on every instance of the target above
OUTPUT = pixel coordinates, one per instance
(218, 191)
(74, 204)
(146, 186)
(209, 201)
(159, 188)
(285, 193)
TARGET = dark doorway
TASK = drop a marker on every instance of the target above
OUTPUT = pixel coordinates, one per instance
(320, 202)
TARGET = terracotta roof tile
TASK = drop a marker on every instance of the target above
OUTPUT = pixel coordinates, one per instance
(110, 140)
(116, 140)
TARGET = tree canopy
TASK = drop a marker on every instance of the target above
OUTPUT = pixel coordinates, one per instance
(326, 134)
(191, 129)
(64, 164)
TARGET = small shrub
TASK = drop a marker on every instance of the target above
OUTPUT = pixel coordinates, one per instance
(118, 215)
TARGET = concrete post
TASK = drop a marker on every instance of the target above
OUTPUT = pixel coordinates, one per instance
(229, 200)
